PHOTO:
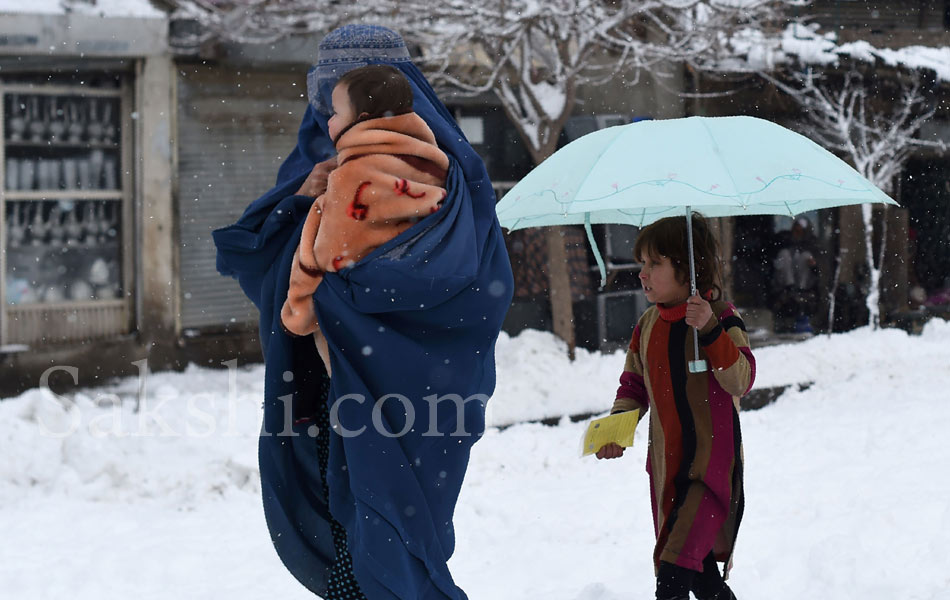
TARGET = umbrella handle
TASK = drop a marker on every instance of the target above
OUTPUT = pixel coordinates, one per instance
(698, 365)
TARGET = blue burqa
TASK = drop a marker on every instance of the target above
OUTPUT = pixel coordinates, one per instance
(411, 330)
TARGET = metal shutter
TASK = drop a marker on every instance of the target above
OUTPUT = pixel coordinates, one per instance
(877, 16)
(234, 130)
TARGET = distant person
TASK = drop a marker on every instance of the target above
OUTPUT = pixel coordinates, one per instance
(694, 457)
(795, 280)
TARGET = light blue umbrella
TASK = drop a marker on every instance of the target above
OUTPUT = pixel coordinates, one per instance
(718, 166)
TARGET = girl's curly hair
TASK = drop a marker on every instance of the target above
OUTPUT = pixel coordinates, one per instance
(667, 237)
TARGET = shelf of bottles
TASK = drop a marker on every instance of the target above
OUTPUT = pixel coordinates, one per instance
(65, 199)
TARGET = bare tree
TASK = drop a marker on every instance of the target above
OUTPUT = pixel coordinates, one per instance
(876, 134)
(532, 55)
(258, 21)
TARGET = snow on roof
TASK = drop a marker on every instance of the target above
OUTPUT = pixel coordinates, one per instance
(758, 51)
(91, 8)
(811, 47)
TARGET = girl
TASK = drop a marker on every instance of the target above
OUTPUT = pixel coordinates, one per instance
(695, 450)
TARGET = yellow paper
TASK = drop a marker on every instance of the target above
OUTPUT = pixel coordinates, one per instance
(618, 428)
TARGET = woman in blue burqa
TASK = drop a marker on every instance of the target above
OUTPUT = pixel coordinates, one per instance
(361, 471)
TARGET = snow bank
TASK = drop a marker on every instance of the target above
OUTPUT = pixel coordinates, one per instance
(203, 423)
(194, 439)
(845, 493)
(536, 380)
(826, 359)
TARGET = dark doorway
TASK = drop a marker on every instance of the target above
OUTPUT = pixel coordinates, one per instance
(926, 195)
(755, 246)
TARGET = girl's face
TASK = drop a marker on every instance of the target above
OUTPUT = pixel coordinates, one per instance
(660, 282)
(342, 111)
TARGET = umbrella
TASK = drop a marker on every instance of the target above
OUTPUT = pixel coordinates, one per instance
(718, 166)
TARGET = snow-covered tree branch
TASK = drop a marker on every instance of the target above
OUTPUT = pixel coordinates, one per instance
(877, 135)
(531, 54)
(534, 55)
(876, 132)
(260, 21)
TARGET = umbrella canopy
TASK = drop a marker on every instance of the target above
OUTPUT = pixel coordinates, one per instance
(720, 166)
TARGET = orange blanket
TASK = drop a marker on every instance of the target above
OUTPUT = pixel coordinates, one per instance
(390, 174)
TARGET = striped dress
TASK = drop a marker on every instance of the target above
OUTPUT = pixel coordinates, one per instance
(694, 457)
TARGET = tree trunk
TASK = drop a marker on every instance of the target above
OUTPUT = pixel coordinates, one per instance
(559, 279)
(896, 261)
(874, 272)
(724, 230)
(559, 289)
(833, 294)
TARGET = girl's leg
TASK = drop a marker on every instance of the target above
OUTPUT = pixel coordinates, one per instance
(673, 582)
(709, 584)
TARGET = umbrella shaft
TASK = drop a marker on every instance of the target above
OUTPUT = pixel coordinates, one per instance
(692, 275)
(692, 261)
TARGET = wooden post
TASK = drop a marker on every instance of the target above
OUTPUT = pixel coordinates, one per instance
(724, 230)
(559, 288)
(894, 280)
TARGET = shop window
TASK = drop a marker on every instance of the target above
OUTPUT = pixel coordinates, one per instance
(65, 211)
(496, 140)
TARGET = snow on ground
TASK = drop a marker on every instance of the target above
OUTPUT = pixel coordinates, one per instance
(846, 492)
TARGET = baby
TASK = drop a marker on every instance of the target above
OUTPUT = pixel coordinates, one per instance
(390, 174)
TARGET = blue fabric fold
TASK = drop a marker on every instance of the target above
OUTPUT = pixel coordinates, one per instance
(416, 319)
(414, 322)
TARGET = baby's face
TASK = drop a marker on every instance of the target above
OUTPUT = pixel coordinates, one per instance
(342, 111)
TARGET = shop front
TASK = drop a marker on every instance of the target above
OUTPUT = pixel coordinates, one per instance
(122, 150)
(67, 206)
(84, 165)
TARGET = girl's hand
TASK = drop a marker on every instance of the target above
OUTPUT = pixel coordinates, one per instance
(316, 182)
(698, 312)
(610, 451)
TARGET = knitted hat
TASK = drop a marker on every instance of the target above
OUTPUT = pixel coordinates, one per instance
(347, 48)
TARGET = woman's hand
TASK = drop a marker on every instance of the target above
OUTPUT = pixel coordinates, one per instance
(611, 450)
(698, 312)
(316, 182)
